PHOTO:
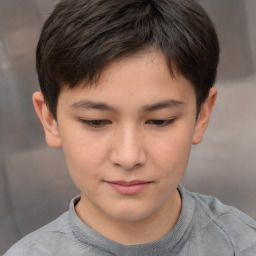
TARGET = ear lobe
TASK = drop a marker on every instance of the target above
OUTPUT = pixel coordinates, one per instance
(204, 116)
(48, 121)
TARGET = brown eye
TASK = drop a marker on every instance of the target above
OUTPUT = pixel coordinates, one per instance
(160, 123)
(95, 123)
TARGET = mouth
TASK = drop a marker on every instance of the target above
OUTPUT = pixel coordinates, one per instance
(129, 187)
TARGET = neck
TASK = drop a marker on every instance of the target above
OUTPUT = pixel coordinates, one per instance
(132, 232)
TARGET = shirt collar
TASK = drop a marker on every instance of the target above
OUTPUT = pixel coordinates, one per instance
(167, 243)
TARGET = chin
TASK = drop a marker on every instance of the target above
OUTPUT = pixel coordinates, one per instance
(130, 214)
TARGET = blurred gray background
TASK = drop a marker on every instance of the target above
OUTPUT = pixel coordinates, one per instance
(34, 184)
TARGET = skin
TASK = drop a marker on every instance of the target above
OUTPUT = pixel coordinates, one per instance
(145, 126)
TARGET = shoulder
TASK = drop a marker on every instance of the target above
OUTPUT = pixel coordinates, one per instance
(33, 243)
(227, 222)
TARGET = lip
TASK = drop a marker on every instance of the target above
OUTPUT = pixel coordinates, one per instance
(129, 187)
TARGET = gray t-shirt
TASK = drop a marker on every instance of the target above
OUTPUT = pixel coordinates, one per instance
(205, 227)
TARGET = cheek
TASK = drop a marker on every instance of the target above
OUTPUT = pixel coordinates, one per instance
(171, 156)
(84, 150)
(83, 167)
(84, 158)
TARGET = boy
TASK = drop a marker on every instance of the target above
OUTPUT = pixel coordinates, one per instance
(126, 89)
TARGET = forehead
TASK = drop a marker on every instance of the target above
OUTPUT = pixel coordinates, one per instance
(139, 79)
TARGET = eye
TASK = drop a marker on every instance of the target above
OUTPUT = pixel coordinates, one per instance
(160, 122)
(95, 123)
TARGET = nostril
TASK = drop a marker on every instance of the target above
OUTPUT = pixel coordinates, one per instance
(128, 162)
(128, 150)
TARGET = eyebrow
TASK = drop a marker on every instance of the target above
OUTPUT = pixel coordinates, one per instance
(162, 105)
(85, 104)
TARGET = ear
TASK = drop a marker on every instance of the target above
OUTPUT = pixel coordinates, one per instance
(204, 116)
(48, 121)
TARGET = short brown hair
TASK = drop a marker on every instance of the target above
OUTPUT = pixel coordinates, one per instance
(82, 36)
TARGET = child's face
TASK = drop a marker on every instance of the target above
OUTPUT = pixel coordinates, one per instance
(127, 140)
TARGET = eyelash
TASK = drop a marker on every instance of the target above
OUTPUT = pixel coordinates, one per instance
(101, 123)
(95, 123)
(161, 122)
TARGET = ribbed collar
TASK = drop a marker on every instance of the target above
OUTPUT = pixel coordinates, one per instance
(169, 243)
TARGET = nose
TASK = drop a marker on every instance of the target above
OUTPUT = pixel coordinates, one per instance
(128, 151)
